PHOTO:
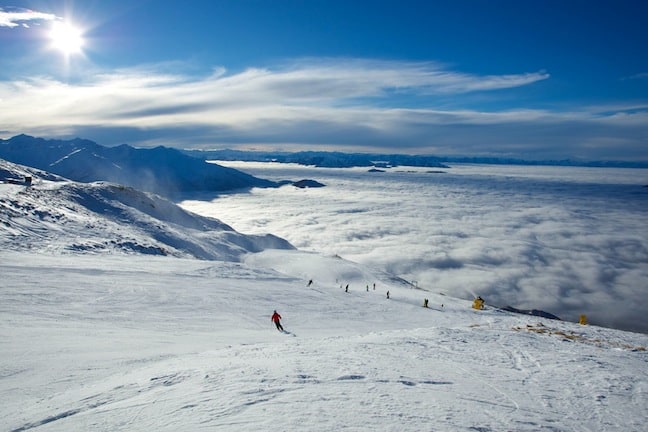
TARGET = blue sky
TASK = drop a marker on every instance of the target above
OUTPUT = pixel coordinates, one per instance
(528, 79)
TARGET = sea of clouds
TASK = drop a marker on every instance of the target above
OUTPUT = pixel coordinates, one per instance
(566, 240)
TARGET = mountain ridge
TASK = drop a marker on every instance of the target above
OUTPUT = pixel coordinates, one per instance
(163, 170)
(331, 159)
(55, 214)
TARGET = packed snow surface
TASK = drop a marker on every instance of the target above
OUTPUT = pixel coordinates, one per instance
(117, 339)
(109, 342)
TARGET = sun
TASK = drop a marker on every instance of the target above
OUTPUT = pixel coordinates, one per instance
(67, 38)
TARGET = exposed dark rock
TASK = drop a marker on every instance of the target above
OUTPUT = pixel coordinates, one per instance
(308, 184)
(533, 312)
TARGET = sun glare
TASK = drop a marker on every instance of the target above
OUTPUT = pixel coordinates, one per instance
(66, 38)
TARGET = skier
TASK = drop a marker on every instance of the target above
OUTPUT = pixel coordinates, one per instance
(310, 282)
(275, 319)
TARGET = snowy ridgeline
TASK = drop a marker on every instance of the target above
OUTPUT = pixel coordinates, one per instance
(162, 170)
(55, 215)
(99, 334)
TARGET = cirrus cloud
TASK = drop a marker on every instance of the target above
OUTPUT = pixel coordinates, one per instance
(346, 104)
(21, 17)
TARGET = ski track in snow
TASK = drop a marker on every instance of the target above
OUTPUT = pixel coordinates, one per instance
(132, 343)
(256, 387)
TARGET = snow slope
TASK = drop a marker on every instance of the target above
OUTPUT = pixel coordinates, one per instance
(120, 340)
(161, 170)
(163, 343)
(70, 216)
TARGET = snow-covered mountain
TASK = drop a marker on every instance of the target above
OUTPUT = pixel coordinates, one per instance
(161, 170)
(108, 322)
(56, 215)
(321, 158)
(346, 160)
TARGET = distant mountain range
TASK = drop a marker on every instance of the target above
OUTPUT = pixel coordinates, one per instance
(161, 170)
(347, 160)
(320, 159)
(168, 171)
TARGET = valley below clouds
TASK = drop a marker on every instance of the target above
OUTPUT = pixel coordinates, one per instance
(569, 241)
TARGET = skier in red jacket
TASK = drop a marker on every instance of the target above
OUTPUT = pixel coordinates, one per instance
(275, 319)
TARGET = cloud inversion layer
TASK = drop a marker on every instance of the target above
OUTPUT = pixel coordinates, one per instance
(526, 237)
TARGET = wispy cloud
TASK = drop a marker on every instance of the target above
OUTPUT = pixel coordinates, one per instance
(16, 17)
(352, 103)
(304, 90)
(366, 77)
(638, 76)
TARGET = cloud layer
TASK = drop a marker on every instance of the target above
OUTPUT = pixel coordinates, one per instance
(16, 17)
(530, 238)
(349, 104)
